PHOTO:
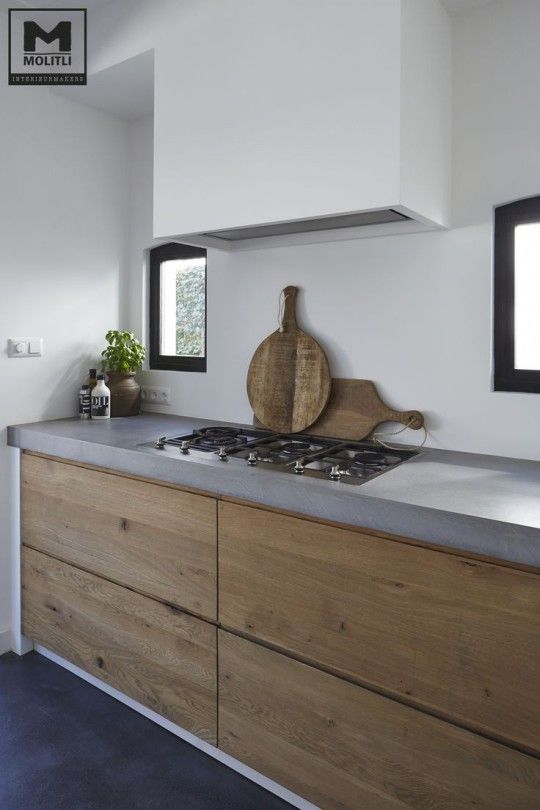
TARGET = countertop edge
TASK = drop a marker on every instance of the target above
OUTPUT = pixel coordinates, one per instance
(486, 537)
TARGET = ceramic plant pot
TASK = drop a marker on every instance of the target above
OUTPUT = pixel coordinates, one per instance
(125, 393)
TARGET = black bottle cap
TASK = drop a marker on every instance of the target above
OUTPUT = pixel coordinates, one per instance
(92, 372)
(101, 376)
(84, 387)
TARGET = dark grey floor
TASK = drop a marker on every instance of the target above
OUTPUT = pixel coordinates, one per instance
(66, 745)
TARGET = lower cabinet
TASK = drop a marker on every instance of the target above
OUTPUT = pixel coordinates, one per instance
(159, 656)
(342, 746)
(455, 636)
(155, 539)
(452, 637)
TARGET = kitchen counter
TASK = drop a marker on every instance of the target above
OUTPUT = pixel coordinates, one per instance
(482, 504)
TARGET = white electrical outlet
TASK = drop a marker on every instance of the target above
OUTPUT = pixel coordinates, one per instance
(155, 395)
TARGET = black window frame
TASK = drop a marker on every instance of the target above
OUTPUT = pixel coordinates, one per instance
(165, 362)
(506, 376)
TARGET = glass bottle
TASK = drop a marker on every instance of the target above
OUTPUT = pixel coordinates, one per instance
(101, 399)
(84, 402)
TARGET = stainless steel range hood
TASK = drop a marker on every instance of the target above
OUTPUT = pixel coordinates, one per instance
(300, 226)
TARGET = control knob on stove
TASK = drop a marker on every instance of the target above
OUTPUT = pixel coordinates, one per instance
(184, 447)
(160, 444)
(252, 459)
(299, 467)
(222, 453)
(335, 473)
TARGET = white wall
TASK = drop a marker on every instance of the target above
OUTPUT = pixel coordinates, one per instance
(63, 176)
(496, 109)
(141, 149)
(411, 312)
(124, 28)
(425, 119)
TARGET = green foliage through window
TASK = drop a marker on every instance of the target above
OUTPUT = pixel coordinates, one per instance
(190, 308)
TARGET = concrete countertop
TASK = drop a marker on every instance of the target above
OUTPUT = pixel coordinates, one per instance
(483, 504)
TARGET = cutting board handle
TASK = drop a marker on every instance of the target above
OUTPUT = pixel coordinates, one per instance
(355, 409)
(288, 321)
(411, 419)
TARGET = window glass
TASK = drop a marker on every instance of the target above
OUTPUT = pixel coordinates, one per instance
(527, 296)
(182, 327)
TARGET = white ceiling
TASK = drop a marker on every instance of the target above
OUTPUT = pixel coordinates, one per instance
(125, 90)
(89, 4)
(452, 6)
(455, 7)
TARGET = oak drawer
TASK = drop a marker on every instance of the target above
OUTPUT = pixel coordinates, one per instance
(454, 635)
(153, 538)
(341, 746)
(157, 655)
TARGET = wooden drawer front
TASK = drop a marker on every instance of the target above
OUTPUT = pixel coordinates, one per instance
(153, 538)
(341, 746)
(459, 636)
(157, 655)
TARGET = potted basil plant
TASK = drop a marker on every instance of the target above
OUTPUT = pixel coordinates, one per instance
(122, 358)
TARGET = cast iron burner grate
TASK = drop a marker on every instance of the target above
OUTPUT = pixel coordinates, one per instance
(295, 448)
(347, 461)
(375, 458)
(211, 439)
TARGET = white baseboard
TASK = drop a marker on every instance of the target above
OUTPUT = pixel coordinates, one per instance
(216, 753)
(5, 641)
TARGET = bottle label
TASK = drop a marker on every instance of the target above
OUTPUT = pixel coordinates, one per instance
(100, 406)
(84, 406)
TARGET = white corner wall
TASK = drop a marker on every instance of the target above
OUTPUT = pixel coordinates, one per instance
(426, 122)
(411, 312)
(63, 193)
(496, 111)
(140, 153)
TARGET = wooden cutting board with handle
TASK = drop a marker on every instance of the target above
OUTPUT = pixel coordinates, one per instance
(355, 409)
(289, 380)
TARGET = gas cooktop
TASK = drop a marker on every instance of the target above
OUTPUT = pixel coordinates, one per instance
(347, 462)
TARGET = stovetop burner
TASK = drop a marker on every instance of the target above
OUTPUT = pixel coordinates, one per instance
(348, 462)
(218, 432)
(296, 447)
(354, 463)
(210, 439)
(280, 449)
(213, 438)
(370, 457)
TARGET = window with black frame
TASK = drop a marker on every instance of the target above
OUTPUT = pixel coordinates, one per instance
(517, 296)
(178, 308)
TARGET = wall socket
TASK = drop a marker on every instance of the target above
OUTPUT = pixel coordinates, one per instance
(155, 395)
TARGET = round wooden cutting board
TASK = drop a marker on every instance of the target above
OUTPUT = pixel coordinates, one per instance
(289, 380)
